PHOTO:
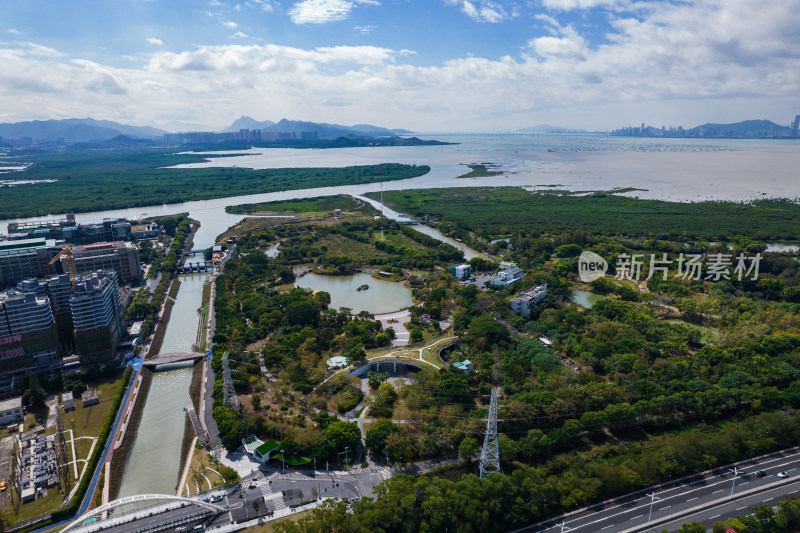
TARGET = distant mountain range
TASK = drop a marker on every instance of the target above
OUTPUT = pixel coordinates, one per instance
(73, 130)
(246, 123)
(323, 130)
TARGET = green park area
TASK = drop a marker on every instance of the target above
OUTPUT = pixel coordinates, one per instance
(654, 379)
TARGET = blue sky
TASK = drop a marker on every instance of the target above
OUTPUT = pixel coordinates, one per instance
(427, 65)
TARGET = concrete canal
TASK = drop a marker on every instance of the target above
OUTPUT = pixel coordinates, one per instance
(154, 462)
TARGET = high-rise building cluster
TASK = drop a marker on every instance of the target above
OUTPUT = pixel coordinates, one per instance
(243, 135)
(43, 320)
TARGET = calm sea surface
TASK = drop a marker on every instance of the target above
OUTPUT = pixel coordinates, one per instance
(686, 170)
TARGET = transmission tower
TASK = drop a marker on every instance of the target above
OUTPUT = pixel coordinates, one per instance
(229, 399)
(490, 453)
(62, 460)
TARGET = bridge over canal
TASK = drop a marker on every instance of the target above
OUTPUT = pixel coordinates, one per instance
(170, 358)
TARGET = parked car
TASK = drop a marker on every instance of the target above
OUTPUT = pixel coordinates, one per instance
(782, 474)
(3, 486)
(760, 473)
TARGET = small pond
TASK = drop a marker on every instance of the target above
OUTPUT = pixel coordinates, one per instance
(586, 299)
(380, 297)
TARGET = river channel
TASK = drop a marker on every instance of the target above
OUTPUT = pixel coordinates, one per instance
(154, 462)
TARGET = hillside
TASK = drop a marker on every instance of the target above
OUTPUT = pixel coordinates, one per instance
(75, 130)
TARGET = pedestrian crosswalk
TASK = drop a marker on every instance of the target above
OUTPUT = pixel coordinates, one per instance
(275, 497)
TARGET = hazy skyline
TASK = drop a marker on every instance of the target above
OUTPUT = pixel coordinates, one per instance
(434, 65)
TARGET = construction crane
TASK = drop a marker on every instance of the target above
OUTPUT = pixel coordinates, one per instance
(67, 253)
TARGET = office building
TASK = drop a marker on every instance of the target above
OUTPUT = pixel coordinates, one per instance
(97, 316)
(58, 289)
(28, 332)
(119, 256)
(26, 258)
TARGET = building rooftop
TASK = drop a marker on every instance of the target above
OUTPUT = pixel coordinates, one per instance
(267, 447)
(11, 403)
(26, 244)
(89, 395)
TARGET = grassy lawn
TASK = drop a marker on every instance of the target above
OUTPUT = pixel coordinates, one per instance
(270, 526)
(84, 422)
(341, 245)
(201, 461)
(43, 505)
(432, 356)
(88, 421)
(398, 239)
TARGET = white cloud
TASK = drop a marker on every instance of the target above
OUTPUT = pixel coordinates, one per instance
(483, 10)
(155, 40)
(322, 11)
(264, 5)
(230, 24)
(238, 35)
(567, 5)
(365, 30)
(13, 31)
(40, 50)
(672, 62)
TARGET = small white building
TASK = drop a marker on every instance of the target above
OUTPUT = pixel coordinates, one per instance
(461, 271)
(506, 277)
(89, 397)
(68, 401)
(11, 411)
(259, 449)
(524, 301)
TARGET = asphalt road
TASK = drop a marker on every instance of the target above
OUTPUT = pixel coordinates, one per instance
(632, 514)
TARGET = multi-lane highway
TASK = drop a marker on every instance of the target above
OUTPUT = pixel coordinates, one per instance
(705, 499)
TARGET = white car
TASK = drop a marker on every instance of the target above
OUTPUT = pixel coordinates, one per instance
(782, 474)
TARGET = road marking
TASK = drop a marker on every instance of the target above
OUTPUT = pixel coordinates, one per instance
(690, 499)
(740, 508)
(716, 491)
(638, 516)
(713, 517)
(608, 526)
(667, 507)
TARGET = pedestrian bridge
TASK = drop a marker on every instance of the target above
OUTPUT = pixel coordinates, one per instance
(170, 358)
(389, 364)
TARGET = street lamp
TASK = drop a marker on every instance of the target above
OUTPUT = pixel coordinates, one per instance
(345, 452)
(283, 464)
(736, 472)
(653, 498)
